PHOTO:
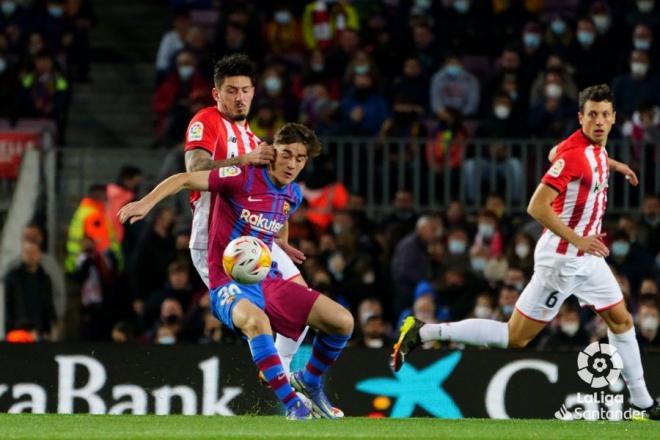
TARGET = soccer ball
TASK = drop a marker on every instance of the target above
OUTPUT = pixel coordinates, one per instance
(246, 260)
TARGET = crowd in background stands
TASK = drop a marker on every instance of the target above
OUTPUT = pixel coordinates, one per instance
(446, 70)
(44, 47)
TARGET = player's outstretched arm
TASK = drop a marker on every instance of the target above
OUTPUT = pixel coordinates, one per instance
(624, 169)
(540, 208)
(198, 181)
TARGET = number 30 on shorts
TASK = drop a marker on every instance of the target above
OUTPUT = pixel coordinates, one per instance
(552, 299)
(228, 294)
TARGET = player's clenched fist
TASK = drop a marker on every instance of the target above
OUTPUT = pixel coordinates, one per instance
(593, 245)
(262, 155)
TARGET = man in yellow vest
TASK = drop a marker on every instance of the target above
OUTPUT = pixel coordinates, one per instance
(90, 220)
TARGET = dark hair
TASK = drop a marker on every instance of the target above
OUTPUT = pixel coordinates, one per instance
(293, 132)
(128, 172)
(234, 65)
(598, 93)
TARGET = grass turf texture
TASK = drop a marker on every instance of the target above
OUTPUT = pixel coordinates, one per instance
(53, 426)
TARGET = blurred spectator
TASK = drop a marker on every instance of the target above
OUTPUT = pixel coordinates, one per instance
(405, 122)
(630, 259)
(363, 108)
(338, 57)
(283, 35)
(401, 220)
(153, 253)
(508, 79)
(648, 287)
(464, 26)
(29, 294)
(81, 18)
(91, 221)
(587, 56)
(649, 224)
(501, 120)
(177, 287)
(45, 91)
(631, 88)
(648, 322)
(568, 334)
(447, 144)
(95, 277)
(411, 262)
(552, 116)
(212, 329)
(426, 47)
(506, 302)
(267, 120)
(413, 83)
(170, 325)
(324, 22)
(643, 129)
(373, 331)
(458, 244)
(239, 30)
(197, 44)
(274, 88)
(554, 64)
(534, 52)
(497, 161)
(507, 20)
(9, 84)
(325, 196)
(515, 276)
(121, 192)
(181, 94)
(645, 12)
(172, 42)
(318, 81)
(122, 332)
(559, 35)
(483, 307)
(453, 86)
(520, 252)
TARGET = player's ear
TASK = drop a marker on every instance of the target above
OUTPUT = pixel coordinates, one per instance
(580, 118)
(214, 93)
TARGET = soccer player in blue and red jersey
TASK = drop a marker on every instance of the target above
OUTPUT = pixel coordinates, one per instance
(257, 201)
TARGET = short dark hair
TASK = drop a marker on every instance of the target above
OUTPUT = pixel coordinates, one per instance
(234, 65)
(293, 132)
(598, 93)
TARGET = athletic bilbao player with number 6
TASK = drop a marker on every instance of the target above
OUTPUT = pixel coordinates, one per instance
(569, 257)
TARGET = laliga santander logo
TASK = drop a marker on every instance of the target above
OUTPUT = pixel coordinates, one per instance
(599, 365)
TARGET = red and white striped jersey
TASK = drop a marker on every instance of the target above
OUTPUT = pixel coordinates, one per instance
(209, 130)
(579, 173)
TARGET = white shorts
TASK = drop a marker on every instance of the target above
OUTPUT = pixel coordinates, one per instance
(588, 278)
(285, 265)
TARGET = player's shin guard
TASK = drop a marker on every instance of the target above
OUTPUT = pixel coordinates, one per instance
(287, 348)
(325, 351)
(268, 362)
(633, 372)
(470, 331)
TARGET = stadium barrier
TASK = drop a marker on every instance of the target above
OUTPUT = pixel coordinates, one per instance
(222, 380)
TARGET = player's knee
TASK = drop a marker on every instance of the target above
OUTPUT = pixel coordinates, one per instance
(343, 322)
(256, 324)
(622, 324)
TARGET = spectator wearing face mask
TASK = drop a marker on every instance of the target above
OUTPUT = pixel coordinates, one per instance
(502, 120)
(639, 85)
(554, 115)
(170, 325)
(559, 34)
(645, 12)
(508, 78)
(172, 42)
(488, 233)
(284, 35)
(555, 64)
(458, 244)
(588, 56)
(609, 29)
(453, 86)
(568, 333)
(506, 302)
(180, 95)
(630, 259)
(648, 322)
(533, 53)
(274, 89)
(642, 38)
(520, 252)
(373, 329)
(483, 307)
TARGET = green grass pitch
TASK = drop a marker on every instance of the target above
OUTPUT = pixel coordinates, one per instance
(52, 426)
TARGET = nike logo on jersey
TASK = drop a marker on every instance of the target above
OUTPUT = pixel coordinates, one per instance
(252, 199)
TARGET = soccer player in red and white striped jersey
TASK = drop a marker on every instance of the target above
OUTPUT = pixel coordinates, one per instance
(569, 258)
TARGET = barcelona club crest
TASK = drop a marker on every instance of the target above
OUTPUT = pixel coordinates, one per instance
(285, 208)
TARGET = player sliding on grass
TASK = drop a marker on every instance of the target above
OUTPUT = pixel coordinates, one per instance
(569, 257)
(257, 201)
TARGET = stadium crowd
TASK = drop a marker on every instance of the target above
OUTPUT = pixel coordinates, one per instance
(447, 71)
(44, 48)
